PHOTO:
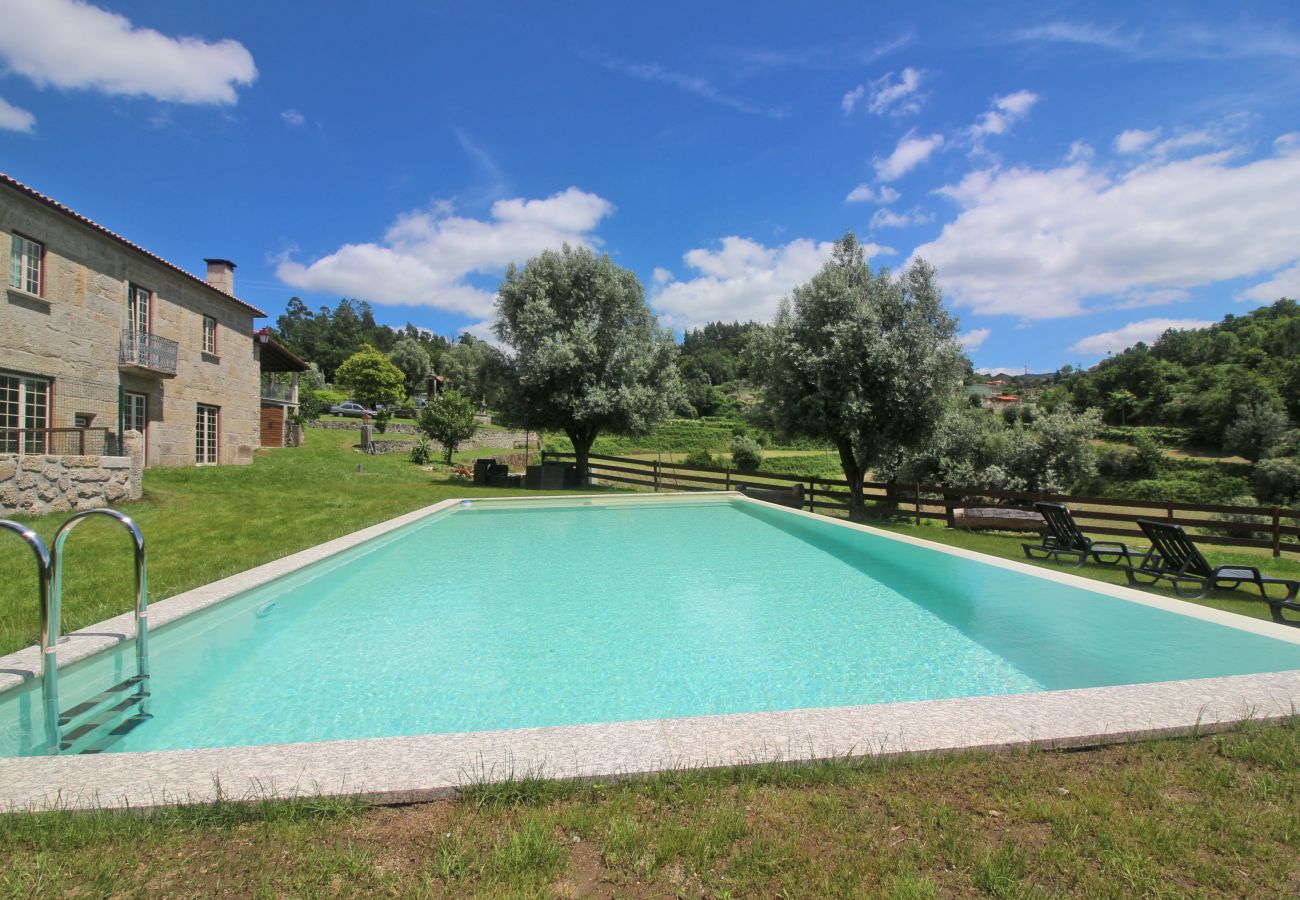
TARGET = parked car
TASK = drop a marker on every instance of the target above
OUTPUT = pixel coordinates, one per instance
(351, 409)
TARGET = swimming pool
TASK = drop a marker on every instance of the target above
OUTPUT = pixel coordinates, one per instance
(494, 616)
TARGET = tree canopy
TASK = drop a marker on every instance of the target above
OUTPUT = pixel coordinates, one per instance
(584, 353)
(449, 420)
(863, 360)
(371, 378)
(1201, 378)
(328, 337)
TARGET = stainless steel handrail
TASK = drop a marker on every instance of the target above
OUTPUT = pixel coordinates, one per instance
(141, 582)
(49, 632)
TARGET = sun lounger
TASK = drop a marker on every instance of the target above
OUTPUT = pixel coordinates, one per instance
(1062, 538)
(1174, 558)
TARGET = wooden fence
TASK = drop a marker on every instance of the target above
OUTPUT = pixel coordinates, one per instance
(1273, 528)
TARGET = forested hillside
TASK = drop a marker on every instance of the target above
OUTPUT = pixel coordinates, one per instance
(1205, 379)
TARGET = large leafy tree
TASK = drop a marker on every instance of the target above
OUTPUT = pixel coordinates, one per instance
(411, 357)
(863, 360)
(584, 355)
(371, 378)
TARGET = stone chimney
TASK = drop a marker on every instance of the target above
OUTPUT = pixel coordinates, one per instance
(221, 275)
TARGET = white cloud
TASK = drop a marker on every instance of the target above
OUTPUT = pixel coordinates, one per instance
(896, 97)
(910, 152)
(1004, 112)
(70, 44)
(1285, 283)
(1037, 243)
(865, 193)
(1145, 331)
(1002, 370)
(692, 84)
(742, 279)
(1158, 297)
(850, 100)
(1184, 40)
(1080, 150)
(661, 275)
(887, 218)
(1288, 143)
(972, 339)
(1135, 140)
(426, 255)
(1076, 33)
(14, 119)
(293, 118)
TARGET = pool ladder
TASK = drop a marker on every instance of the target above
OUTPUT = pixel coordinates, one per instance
(93, 724)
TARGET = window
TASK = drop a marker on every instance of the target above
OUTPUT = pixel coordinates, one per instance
(26, 264)
(83, 420)
(137, 310)
(209, 335)
(205, 435)
(24, 413)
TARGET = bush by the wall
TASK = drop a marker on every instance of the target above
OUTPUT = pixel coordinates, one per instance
(1276, 481)
(700, 458)
(746, 454)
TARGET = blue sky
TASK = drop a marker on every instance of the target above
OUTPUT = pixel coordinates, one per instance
(1082, 175)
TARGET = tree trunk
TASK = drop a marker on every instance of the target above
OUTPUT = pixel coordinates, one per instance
(582, 442)
(853, 474)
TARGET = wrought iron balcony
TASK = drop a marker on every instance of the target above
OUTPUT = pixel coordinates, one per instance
(143, 350)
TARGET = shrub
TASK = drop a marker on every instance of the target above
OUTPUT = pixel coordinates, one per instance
(1117, 462)
(700, 458)
(422, 452)
(449, 420)
(382, 418)
(1258, 428)
(1276, 481)
(746, 454)
(1237, 524)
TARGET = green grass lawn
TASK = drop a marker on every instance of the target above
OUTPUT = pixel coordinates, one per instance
(201, 524)
(1214, 816)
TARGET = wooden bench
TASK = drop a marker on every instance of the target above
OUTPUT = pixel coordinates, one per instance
(791, 496)
(997, 517)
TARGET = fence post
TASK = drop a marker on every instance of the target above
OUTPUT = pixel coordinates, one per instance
(728, 476)
(916, 503)
(82, 435)
(1169, 504)
(1277, 532)
(656, 476)
(812, 489)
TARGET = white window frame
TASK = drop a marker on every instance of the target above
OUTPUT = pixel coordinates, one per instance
(139, 310)
(207, 435)
(210, 335)
(20, 396)
(26, 264)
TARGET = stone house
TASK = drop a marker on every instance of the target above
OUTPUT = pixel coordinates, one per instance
(99, 337)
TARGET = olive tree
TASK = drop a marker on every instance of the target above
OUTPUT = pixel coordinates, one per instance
(861, 359)
(582, 352)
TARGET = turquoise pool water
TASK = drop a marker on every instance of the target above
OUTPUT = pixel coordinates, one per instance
(515, 615)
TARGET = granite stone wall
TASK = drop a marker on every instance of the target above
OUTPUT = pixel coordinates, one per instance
(36, 485)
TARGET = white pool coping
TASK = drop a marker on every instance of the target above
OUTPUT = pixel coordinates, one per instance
(404, 769)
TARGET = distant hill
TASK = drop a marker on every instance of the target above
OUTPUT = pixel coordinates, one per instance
(1199, 378)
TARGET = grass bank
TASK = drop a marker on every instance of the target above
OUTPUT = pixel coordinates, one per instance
(1214, 816)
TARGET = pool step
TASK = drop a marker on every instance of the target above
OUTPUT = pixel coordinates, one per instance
(95, 724)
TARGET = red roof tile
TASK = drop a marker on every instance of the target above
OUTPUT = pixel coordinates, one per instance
(73, 214)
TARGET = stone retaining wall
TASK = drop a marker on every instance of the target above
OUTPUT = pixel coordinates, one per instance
(44, 484)
(383, 443)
